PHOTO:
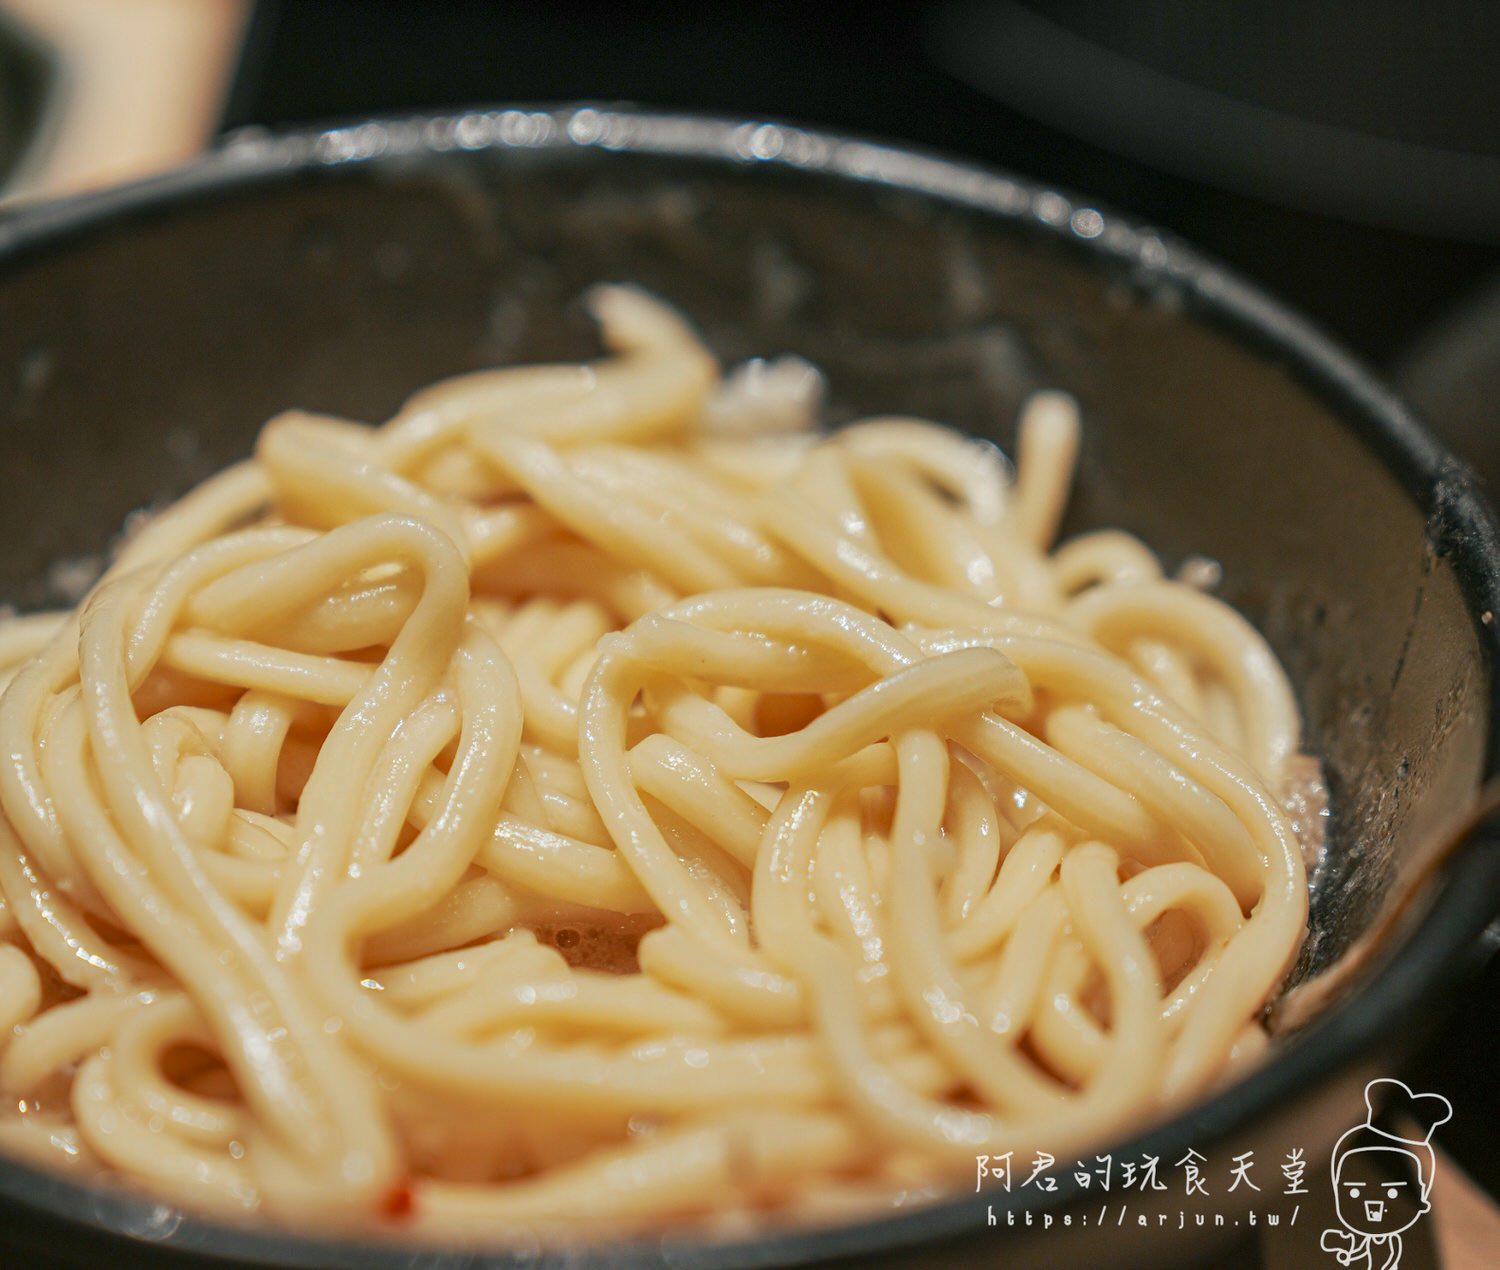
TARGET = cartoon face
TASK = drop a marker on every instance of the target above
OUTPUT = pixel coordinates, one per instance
(1375, 1195)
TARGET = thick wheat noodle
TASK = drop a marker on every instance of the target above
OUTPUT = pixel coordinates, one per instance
(556, 810)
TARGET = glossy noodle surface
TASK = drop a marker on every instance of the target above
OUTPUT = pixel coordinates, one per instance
(596, 799)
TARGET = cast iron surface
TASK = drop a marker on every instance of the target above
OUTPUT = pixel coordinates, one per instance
(146, 333)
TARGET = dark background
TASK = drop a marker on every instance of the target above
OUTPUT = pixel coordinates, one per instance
(1345, 156)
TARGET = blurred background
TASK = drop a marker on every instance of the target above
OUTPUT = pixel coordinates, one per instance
(1346, 157)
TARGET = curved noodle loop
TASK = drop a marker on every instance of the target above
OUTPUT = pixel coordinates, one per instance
(594, 783)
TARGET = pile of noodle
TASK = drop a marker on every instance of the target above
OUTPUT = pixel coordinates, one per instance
(594, 799)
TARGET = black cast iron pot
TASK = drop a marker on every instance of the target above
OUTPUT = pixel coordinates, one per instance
(146, 333)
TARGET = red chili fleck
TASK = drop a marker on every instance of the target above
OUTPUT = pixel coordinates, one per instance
(398, 1203)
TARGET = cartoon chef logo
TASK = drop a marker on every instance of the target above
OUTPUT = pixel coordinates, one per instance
(1382, 1177)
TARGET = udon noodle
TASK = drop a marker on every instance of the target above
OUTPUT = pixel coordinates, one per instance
(596, 798)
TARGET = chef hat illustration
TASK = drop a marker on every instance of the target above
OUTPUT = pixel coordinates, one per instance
(1420, 1114)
